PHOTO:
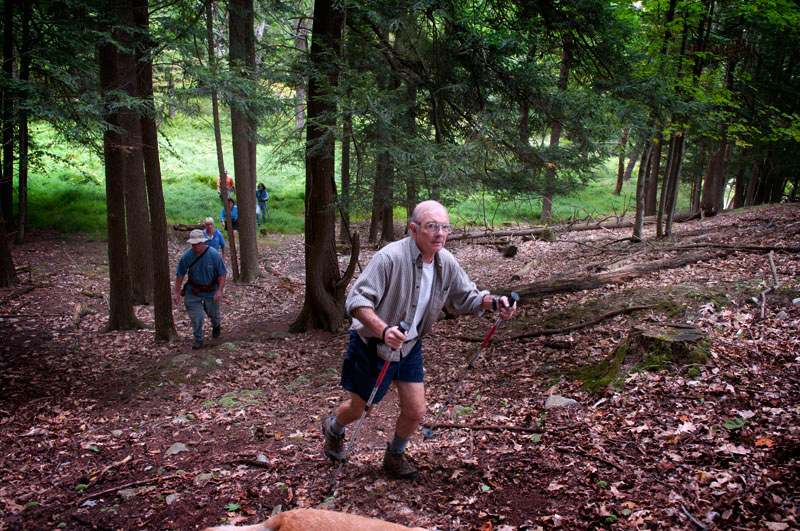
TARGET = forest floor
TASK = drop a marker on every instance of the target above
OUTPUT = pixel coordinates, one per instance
(106, 430)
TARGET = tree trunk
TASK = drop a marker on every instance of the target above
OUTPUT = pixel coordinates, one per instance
(640, 192)
(752, 185)
(242, 54)
(626, 176)
(162, 293)
(738, 195)
(9, 99)
(137, 218)
(653, 347)
(623, 143)
(344, 196)
(713, 182)
(301, 28)
(677, 171)
(652, 181)
(213, 63)
(8, 275)
(555, 137)
(24, 74)
(666, 185)
(697, 187)
(121, 316)
(323, 306)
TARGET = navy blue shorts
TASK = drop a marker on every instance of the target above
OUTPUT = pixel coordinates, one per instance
(362, 366)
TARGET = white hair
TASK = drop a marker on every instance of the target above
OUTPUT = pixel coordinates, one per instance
(425, 207)
(208, 219)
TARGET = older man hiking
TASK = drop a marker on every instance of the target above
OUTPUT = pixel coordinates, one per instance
(203, 290)
(411, 280)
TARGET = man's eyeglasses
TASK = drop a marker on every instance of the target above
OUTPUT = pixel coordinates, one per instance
(434, 228)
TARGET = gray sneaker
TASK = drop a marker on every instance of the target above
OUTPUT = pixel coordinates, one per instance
(397, 466)
(334, 444)
(197, 343)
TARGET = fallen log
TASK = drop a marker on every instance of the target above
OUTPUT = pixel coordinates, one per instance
(564, 330)
(186, 228)
(620, 224)
(579, 282)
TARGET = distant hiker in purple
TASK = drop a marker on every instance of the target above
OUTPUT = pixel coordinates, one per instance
(203, 290)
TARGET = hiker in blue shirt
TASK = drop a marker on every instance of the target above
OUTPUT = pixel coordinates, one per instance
(234, 218)
(214, 237)
(262, 196)
(203, 290)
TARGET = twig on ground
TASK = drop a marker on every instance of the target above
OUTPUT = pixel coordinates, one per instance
(128, 485)
(17, 293)
(692, 518)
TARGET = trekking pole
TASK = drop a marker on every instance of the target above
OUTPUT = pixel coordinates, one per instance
(427, 433)
(403, 327)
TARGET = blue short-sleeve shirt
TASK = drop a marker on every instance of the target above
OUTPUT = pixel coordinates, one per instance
(217, 241)
(204, 271)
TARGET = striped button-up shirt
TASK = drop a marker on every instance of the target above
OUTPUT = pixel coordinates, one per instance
(390, 285)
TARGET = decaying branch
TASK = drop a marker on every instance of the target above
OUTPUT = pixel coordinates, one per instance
(774, 287)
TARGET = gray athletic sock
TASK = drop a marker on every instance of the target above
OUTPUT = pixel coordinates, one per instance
(398, 444)
(336, 428)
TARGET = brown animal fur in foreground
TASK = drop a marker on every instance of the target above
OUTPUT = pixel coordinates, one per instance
(313, 519)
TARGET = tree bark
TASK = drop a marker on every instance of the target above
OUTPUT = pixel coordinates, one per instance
(323, 306)
(9, 99)
(162, 294)
(652, 181)
(344, 196)
(555, 136)
(8, 275)
(213, 63)
(121, 316)
(242, 54)
(623, 144)
(137, 218)
(675, 182)
(641, 190)
(24, 140)
(301, 28)
(713, 182)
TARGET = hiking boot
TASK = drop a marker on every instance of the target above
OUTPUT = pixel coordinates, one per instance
(334, 444)
(215, 331)
(197, 343)
(397, 466)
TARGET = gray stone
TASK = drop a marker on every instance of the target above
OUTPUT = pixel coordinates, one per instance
(176, 449)
(200, 480)
(559, 401)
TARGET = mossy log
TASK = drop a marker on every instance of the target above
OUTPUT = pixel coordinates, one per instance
(185, 228)
(652, 347)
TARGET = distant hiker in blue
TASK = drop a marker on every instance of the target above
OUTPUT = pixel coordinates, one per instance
(262, 196)
(234, 215)
(203, 290)
(214, 238)
(234, 218)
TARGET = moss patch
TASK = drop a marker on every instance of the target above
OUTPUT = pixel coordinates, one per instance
(651, 348)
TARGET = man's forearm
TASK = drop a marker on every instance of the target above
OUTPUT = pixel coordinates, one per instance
(370, 319)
